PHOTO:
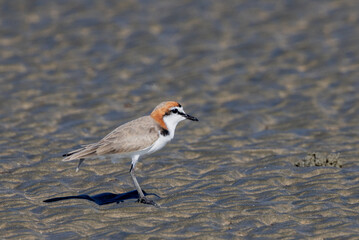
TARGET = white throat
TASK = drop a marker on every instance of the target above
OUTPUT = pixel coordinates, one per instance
(171, 122)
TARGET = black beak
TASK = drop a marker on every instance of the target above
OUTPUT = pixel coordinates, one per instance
(189, 117)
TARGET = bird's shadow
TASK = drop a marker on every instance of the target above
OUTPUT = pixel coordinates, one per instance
(103, 198)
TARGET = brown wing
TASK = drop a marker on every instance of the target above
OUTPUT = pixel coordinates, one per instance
(129, 137)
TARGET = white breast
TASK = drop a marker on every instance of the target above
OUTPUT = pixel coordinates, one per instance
(171, 122)
(160, 143)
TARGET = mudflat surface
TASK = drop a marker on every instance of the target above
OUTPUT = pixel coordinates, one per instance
(270, 81)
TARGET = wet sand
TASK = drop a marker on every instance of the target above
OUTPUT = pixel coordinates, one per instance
(270, 81)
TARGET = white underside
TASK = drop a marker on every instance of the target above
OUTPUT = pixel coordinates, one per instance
(171, 122)
(159, 144)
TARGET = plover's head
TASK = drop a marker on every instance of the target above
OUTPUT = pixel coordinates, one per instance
(169, 114)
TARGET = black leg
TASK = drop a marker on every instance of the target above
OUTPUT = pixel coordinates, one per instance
(142, 198)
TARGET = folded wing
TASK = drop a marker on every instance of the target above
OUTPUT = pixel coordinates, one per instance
(130, 137)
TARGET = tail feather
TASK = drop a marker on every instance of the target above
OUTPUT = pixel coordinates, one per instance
(69, 156)
(86, 151)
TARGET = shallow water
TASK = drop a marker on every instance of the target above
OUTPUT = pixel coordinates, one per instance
(270, 82)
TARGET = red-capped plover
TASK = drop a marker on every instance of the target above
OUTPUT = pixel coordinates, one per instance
(138, 137)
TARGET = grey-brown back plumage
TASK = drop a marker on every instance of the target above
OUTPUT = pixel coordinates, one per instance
(130, 137)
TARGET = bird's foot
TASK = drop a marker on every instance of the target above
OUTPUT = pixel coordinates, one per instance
(147, 201)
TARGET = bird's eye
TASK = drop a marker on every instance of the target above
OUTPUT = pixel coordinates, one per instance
(174, 110)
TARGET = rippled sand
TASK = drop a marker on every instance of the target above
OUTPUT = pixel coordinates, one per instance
(270, 81)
